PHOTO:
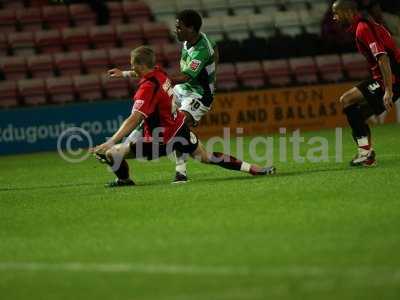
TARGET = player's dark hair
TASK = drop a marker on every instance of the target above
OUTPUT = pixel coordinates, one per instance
(346, 4)
(144, 55)
(190, 18)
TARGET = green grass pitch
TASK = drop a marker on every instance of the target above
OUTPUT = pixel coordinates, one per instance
(313, 231)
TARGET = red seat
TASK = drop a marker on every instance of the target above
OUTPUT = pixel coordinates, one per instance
(3, 44)
(82, 15)
(30, 18)
(8, 94)
(250, 74)
(116, 12)
(172, 53)
(56, 16)
(355, 66)
(8, 19)
(159, 52)
(60, 89)
(330, 67)
(115, 88)
(130, 35)
(277, 71)
(304, 69)
(68, 63)
(120, 58)
(103, 36)
(88, 87)
(76, 39)
(33, 91)
(14, 67)
(95, 61)
(226, 77)
(156, 33)
(22, 43)
(41, 65)
(136, 11)
(49, 41)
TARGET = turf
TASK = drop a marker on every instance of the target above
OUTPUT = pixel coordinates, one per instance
(313, 231)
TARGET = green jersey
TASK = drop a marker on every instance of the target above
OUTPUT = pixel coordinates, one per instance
(198, 62)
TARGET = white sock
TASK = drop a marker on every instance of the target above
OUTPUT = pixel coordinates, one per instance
(180, 164)
(363, 145)
(245, 167)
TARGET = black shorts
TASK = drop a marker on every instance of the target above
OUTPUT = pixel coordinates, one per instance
(185, 142)
(373, 95)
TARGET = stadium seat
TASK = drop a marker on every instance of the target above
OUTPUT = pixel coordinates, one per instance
(242, 7)
(82, 15)
(172, 53)
(262, 25)
(103, 36)
(355, 66)
(192, 4)
(8, 94)
(56, 16)
(236, 27)
(277, 71)
(120, 58)
(250, 74)
(320, 6)
(30, 19)
(116, 12)
(130, 35)
(3, 44)
(8, 19)
(311, 20)
(68, 63)
(16, 4)
(156, 33)
(33, 91)
(22, 43)
(213, 28)
(296, 4)
(226, 75)
(60, 89)
(41, 65)
(330, 67)
(76, 39)
(136, 11)
(216, 8)
(288, 22)
(304, 69)
(163, 10)
(95, 61)
(115, 88)
(266, 7)
(159, 52)
(13, 67)
(88, 87)
(49, 41)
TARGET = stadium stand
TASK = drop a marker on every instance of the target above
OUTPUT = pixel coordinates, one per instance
(261, 43)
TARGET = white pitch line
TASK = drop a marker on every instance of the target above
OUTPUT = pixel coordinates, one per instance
(301, 271)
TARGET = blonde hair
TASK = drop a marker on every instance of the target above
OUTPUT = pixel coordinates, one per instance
(144, 55)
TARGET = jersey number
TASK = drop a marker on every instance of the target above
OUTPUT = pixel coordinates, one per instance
(195, 104)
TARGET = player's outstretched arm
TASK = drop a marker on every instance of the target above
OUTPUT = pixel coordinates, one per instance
(126, 128)
(384, 66)
(117, 73)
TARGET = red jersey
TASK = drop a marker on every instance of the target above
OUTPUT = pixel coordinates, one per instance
(154, 100)
(372, 40)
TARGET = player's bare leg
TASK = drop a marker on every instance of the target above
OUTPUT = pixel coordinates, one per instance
(361, 132)
(229, 162)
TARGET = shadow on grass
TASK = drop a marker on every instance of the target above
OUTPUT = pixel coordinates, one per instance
(44, 187)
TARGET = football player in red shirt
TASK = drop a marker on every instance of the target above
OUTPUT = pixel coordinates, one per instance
(165, 129)
(376, 95)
